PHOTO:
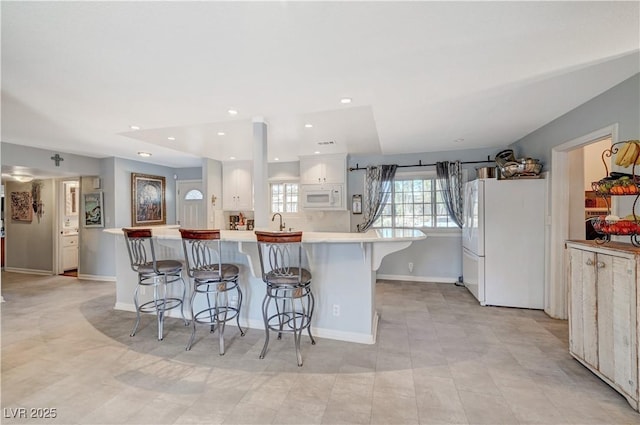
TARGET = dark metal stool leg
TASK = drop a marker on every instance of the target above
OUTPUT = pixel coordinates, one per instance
(193, 322)
(311, 305)
(265, 316)
(239, 307)
(135, 302)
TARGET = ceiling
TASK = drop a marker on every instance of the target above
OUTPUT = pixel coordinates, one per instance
(422, 76)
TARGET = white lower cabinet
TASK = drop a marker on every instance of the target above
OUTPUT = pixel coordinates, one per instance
(69, 252)
(603, 312)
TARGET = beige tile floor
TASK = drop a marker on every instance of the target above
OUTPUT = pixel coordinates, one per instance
(440, 359)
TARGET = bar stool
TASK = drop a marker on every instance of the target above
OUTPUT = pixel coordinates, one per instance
(288, 303)
(213, 281)
(157, 274)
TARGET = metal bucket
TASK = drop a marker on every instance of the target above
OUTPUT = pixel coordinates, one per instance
(486, 172)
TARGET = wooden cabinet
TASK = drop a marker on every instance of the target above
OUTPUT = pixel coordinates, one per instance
(69, 252)
(320, 169)
(237, 186)
(603, 312)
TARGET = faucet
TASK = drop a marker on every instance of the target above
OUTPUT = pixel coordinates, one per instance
(282, 225)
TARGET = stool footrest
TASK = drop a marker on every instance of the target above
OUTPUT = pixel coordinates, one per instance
(213, 315)
(163, 305)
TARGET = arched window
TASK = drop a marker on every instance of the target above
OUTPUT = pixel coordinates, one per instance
(193, 195)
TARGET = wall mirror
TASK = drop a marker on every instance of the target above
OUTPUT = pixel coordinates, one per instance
(71, 198)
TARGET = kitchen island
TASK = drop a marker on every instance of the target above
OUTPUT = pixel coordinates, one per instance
(343, 266)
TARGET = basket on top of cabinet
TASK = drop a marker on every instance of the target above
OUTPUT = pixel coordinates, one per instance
(627, 154)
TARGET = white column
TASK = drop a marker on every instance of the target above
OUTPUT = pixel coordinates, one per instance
(260, 174)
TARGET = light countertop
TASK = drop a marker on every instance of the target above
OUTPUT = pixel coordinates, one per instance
(374, 235)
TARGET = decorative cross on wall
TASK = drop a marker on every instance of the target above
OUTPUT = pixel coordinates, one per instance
(57, 158)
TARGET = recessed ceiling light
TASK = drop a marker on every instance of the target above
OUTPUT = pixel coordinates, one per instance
(276, 159)
(220, 133)
(308, 125)
(22, 178)
(232, 112)
(232, 157)
(144, 154)
(134, 127)
(345, 100)
(317, 152)
(171, 138)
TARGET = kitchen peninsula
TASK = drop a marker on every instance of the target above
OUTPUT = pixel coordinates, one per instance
(343, 266)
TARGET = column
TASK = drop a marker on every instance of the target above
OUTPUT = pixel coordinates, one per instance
(260, 174)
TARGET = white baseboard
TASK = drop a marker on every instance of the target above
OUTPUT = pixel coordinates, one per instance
(97, 277)
(259, 324)
(29, 271)
(411, 278)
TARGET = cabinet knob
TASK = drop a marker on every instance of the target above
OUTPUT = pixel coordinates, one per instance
(589, 262)
(600, 265)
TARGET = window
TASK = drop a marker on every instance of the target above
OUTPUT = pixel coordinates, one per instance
(415, 201)
(284, 197)
(193, 194)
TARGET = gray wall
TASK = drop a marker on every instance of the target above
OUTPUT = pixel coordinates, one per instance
(29, 245)
(73, 165)
(439, 256)
(193, 173)
(620, 104)
(122, 175)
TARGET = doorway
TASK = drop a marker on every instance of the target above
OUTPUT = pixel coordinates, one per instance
(67, 227)
(566, 189)
(190, 207)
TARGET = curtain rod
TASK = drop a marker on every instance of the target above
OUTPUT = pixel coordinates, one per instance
(420, 164)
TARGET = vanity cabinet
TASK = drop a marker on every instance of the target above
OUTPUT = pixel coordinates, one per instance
(237, 186)
(603, 312)
(321, 169)
(69, 252)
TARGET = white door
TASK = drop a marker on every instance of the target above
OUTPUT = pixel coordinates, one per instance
(473, 209)
(473, 274)
(190, 212)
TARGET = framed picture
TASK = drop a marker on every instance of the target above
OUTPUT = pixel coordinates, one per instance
(21, 206)
(93, 209)
(148, 206)
(356, 204)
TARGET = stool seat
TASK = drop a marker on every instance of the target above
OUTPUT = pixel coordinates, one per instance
(215, 284)
(229, 272)
(294, 276)
(163, 266)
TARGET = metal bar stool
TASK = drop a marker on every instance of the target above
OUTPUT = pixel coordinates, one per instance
(157, 274)
(213, 280)
(288, 303)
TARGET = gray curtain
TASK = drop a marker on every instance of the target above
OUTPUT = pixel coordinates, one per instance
(449, 175)
(378, 181)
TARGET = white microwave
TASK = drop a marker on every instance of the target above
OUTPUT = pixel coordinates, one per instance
(322, 197)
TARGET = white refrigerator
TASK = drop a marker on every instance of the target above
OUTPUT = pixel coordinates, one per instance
(503, 242)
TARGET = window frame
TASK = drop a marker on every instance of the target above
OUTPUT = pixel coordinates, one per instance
(285, 182)
(407, 175)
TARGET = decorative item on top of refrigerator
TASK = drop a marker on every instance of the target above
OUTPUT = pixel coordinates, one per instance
(517, 168)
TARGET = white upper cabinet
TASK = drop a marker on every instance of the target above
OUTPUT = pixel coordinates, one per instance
(320, 169)
(237, 186)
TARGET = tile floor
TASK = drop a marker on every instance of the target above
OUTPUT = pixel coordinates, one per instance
(440, 358)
